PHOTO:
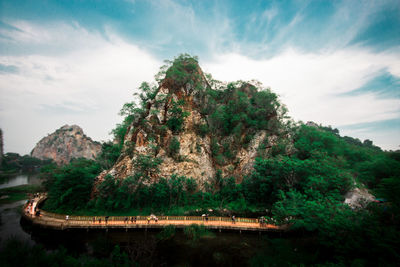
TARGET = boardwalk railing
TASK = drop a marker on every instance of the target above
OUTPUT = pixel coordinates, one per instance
(61, 221)
(143, 218)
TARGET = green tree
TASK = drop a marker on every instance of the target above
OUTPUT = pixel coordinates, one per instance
(72, 185)
(176, 116)
(174, 147)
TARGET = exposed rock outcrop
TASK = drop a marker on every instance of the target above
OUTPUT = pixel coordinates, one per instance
(358, 198)
(150, 135)
(66, 143)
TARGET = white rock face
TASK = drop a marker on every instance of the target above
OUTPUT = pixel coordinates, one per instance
(247, 156)
(196, 161)
(66, 143)
(358, 198)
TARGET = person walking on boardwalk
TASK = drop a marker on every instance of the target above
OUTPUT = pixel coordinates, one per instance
(67, 218)
(131, 219)
(148, 220)
(94, 220)
(28, 207)
(135, 219)
(262, 221)
(233, 219)
(106, 219)
(126, 220)
(99, 220)
(206, 217)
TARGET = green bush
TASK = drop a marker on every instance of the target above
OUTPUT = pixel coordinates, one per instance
(174, 147)
(176, 116)
(202, 130)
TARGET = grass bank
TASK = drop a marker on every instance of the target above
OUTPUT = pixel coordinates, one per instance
(16, 193)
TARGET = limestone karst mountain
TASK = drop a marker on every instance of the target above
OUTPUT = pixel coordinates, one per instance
(184, 128)
(66, 143)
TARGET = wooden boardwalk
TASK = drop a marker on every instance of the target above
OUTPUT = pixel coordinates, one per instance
(60, 221)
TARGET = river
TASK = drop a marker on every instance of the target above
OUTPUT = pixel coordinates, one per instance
(19, 179)
(10, 215)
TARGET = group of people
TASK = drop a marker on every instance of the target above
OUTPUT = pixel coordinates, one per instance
(31, 208)
(263, 221)
(132, 219)
(152, 217)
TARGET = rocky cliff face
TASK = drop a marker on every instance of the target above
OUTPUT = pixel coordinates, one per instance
(186, 151)
(66, 143)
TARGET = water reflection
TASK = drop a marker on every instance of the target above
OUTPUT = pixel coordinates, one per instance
(20, 179)
(10, 216)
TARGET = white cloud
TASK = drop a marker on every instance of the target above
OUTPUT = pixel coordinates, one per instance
(388, 139)
(86, 85)
(82, 77)
(310, 84)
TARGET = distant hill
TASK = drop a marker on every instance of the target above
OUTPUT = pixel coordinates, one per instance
(66, 143)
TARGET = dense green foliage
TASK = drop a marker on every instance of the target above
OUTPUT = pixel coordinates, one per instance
(304, 187)
(177, 116)
(299, 179)
(13, 162)
(235, 112)
(182, 71)
(70, 186)
(109, 154)
(243, 107)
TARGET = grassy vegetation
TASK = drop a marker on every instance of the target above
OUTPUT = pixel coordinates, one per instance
(13, 194)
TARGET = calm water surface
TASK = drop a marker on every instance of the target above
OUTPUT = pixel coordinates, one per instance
(20, 179)
(10, 216)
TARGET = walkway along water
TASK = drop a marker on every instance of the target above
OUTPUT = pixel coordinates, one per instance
(62, 222)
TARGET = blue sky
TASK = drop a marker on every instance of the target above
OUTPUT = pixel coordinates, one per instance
(333, 62)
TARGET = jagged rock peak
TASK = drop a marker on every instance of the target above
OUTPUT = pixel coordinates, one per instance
(70, 128)
(181, 128)
(66, 143)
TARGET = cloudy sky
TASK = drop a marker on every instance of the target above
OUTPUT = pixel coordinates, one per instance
(77, 62)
